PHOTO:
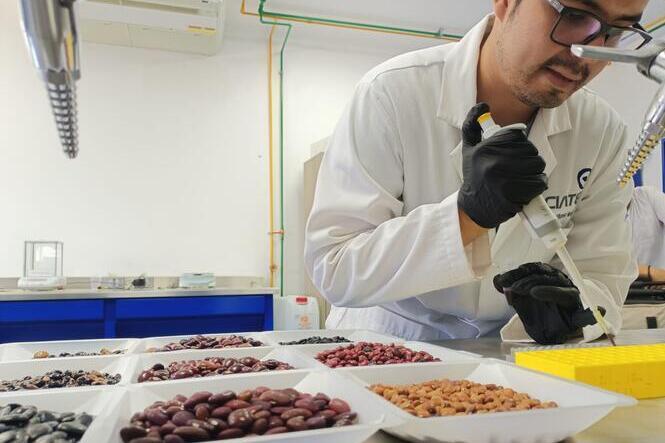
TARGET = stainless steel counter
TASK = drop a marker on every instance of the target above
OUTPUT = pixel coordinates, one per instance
(643, 423)
(78, 294)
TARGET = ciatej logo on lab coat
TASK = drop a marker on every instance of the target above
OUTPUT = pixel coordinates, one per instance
(582, 177)
(566, 202)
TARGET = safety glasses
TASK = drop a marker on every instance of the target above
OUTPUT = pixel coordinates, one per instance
(576, 26)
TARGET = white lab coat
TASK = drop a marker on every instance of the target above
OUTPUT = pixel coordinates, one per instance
(383, 240)
(647, 219)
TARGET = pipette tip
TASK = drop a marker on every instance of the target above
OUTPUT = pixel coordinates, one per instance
(610, 337)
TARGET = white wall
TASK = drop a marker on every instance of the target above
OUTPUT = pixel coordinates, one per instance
(172, 174)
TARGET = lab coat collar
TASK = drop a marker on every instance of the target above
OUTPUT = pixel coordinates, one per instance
(459, 94)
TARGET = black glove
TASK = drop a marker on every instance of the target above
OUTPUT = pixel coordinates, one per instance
(546, 301)
(501, 174)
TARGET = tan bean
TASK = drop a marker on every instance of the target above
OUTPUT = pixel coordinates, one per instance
(457, 397)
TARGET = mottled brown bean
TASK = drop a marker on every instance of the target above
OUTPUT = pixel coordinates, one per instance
(296, 412)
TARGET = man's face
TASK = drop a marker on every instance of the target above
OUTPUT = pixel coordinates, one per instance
(540, 72)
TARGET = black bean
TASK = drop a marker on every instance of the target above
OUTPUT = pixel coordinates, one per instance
(317, 340)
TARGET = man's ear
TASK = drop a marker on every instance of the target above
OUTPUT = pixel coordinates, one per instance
(502, 8)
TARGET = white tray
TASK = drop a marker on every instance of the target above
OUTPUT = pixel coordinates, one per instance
(370, 418)
(158, 342)
(92, 402)
(25, 350)
(355, 335)
(445, 354)
(144, 361)
(20, 369)
(580, 405)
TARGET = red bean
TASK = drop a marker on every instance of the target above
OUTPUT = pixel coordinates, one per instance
(365, 354)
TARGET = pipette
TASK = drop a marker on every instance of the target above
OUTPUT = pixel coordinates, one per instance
(543, 224)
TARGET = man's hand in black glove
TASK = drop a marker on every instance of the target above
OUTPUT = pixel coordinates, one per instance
(546, 301)
(501, 174)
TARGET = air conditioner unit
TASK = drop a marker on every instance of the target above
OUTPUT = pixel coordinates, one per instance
(193, 26)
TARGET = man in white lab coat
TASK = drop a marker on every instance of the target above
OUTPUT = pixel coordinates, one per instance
(414, 224)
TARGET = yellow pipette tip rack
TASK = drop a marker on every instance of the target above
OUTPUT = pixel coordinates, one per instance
(636, 370)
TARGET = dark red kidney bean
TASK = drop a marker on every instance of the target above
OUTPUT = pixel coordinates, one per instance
(182, 418)
(279, 410)
(339, 406)
(153, 431)
(296, 424)
(292, 393)
(261, 389)
(196, 398)
(275, 422)
(261, 414)
(203, 425)
(240, 418)
(322, 396)
(265, 404)
(236, 404)
(180, 398)
(201, 412)
(222, 397)
(132, 432)
(245, 395)
(156, 417)
(350, 416)
(306, 404)
(217, 425)
(230, 433)
(139, 416)
(173, 439)
(171, 410)
(260, 426)
(147, 440)
(328, 414)
(275, 397)
(167, 428)
(277, 430)
(191, 433)
(221, 412)
(296, 412)
(316, 422)
(320, 404)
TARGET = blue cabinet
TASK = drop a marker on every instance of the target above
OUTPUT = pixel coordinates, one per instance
(133, 317)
